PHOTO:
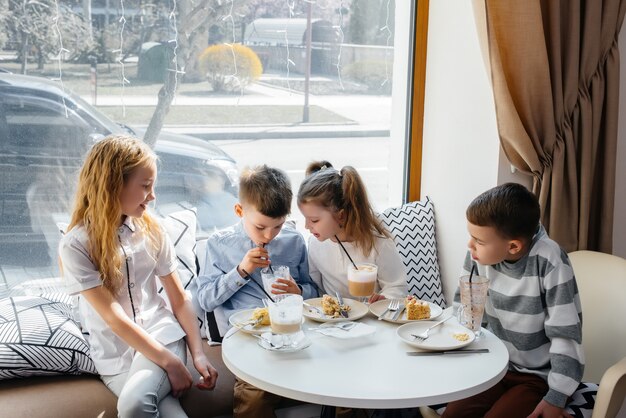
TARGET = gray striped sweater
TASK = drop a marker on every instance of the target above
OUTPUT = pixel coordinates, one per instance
(534, 308)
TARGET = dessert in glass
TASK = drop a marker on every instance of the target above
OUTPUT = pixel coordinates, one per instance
(286, 317)
(362, 280)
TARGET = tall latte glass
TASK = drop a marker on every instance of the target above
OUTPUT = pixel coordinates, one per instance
(286, 316)
(362, 281)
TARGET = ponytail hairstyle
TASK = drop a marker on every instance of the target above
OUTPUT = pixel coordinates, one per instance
(97, 207)
(343, 190)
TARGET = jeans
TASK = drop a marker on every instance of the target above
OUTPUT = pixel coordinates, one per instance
(144, 390)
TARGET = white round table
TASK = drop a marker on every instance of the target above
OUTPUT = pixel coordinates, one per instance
(366, 372)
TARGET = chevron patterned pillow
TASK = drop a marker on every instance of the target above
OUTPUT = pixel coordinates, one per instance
(181, 228)
(412, 226)
(39, 337)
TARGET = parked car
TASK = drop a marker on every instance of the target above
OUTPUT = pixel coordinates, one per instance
(45, 133)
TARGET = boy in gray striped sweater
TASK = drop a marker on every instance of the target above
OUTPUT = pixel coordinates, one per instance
(533, 307)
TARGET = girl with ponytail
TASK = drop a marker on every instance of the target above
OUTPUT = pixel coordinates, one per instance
(343, 227)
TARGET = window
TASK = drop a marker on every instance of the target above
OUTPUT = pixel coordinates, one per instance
(266, 81)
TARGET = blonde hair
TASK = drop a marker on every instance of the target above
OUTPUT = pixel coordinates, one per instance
(97, 207)
(343, 190)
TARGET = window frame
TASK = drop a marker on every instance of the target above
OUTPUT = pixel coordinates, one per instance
(416, 107)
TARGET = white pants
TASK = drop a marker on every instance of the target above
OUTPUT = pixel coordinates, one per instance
(144, 390)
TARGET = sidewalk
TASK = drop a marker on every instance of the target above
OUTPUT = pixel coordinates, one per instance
(370, 115)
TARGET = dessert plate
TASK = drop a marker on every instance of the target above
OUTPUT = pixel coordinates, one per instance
(377, 308)
(357, 310)
(439, 338)
(242, 321)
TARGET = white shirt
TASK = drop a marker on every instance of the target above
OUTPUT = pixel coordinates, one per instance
(138, 295)
(328, 266)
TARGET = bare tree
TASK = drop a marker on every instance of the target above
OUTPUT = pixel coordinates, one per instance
(46, 27)
(193, 18)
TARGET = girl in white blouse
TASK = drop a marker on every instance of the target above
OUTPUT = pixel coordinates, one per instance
(338, 214)
(112, 254)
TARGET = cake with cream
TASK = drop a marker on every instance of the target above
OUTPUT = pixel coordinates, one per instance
(331, 307)
(416, 309)
(262, 315)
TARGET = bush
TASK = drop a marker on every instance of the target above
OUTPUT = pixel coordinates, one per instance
(372, 74)
(230, 67)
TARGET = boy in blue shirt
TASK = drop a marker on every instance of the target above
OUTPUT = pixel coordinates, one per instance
(231, 280)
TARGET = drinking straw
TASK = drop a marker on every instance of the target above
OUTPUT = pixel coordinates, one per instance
(269, 265)
(254, 281)
(346, 251)
(470, 292)
(472, 272)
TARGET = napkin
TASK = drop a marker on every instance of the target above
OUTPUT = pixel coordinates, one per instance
(360, 330)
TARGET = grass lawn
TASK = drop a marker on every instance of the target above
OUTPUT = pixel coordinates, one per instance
(224, 115)
(77, 78)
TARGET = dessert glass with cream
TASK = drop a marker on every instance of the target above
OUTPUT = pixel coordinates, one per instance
(286, 317)
(362, 281)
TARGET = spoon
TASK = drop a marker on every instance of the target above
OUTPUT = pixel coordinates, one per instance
(345, 326)
(269, 341)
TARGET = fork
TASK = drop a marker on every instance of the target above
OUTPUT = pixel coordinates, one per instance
(424, 335)
(392, 307)
(342, 310)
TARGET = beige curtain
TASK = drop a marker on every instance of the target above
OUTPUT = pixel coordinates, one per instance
(555, 73)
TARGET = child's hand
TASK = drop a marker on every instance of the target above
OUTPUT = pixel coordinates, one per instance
(208, 374)
(285, 286)
(545, 409)
(376, 297)
(179, 377)
(255, 258)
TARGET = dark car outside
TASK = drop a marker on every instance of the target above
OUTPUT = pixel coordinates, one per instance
(45, 132)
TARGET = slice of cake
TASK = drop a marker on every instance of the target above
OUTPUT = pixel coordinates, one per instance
(416, 309)
(331, 307)
(261, 315)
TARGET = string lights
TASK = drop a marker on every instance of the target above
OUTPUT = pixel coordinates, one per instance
(62, 51)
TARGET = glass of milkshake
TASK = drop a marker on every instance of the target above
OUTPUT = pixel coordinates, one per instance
(362, 281)
(286, 317)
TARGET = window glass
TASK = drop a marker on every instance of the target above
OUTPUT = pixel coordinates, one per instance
(244, 82)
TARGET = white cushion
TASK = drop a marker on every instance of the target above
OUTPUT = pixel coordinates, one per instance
(38, 336)
(181, 228)
(412, 226)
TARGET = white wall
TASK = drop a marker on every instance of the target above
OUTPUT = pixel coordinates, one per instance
(461, 148)
(619, 220)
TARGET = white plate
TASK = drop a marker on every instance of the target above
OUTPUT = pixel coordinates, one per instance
(377, 308)
(359, 330)
(357, 310)
(242, 317)
(302, 342)
(439, 338)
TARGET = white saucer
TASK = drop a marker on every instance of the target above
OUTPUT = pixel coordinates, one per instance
(302, 342)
